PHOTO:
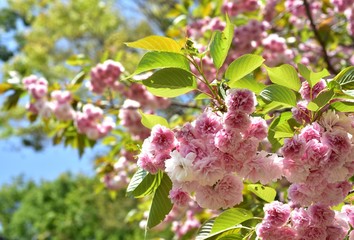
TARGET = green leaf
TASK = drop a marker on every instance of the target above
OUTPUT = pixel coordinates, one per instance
(170, 82)
(77, 60)
(346, 78)
(150, 120)
(349, 93)
(156, 43)
(143, 184)
(230, 218)
(312, 77)
(281, 119)
(161, 204)
(136, 179)
(4, 87)
(266, 193)
(321, 100)
(280, 94)
(248, 82)
(79, 78)
(343, 106)
(243, 66)
(156, 60)
(205, 229)
(221, 43)
(285, 75)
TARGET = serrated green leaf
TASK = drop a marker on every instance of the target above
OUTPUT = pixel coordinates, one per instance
(243, 66)
(77, 60)
(170, 82)
(349, 93)
(312, 77)
(343, 106)
(205, 229)
(321, 100)
(285, 75)
(150, 120)
(279, 94)
(143, 184)
(221, 43)
(248, 82)
(158, 60)
(234, 234)
(266, 193)
(156, 43)
(136, 179)
(346, 78)
(161, 204)
(230, 218)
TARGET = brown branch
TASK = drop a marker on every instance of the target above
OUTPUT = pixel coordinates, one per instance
(319, 39)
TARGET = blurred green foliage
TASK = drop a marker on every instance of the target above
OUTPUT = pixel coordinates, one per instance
(66, 208)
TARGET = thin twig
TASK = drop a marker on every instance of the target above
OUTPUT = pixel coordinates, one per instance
(318, 37)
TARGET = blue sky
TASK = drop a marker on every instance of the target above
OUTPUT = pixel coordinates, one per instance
(53, 160)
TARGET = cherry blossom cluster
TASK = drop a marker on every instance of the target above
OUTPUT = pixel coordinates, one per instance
(210, 157)
(276, 51)
(59, 105)
(92, 122)
(342, 5)
(319, 161)
(105, 75)
(300, 113)
(235, 7)
(298, 15)
(349, 13)
(199, 27)
(315, 222)
(122, 169)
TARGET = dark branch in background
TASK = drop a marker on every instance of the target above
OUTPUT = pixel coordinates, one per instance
(319, 39)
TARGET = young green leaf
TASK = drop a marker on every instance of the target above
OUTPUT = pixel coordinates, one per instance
(343, 106)
(137, 178)
(147, 186)
(346, 78)
(266, 193)
(230, 218)
(221, 43)
(156, 60)
(280, 94)
(170, 82)
(243, 66)
(312, 77)
(157, 43)
(321, 100)
(285, 75)
(248, 82)
(150, 120)
(161, 204)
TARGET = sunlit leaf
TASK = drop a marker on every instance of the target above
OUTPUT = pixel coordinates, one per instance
(280, 94)
(156, 43)
(346, 78)
(150, 120)
(321, 100)
(266, 193)
(312, 77)
(248, 82)
(157, 60)
(230, 218)
(170, 82)
(285, 75)
(243, 66)
(221, 43)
